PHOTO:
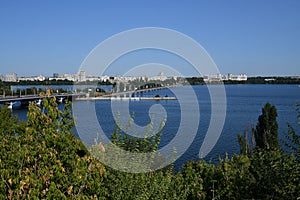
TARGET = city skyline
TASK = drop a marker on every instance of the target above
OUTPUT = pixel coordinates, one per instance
(258, 38)
(81, 76)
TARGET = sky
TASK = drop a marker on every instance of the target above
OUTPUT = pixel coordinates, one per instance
(255, 37)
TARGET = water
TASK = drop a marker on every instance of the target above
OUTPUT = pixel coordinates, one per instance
(244, 104)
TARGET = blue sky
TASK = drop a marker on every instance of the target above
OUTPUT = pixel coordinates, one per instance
(256, 37)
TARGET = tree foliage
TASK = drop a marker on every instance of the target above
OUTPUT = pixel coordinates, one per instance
(8, 122)
(293, 138)
(46, 160)
(43, 160)
(247, 144)
(266, 132)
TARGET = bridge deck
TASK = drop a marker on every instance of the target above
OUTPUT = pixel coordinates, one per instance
(137, 91)
(29, 98)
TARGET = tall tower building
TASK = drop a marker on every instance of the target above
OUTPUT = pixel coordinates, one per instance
(12, 77)
(81, 76)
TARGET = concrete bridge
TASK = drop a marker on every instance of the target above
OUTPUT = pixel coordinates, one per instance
(26, 99)
(130, 92)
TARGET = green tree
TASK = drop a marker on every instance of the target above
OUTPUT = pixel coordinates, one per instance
(292, 138)
(8, 123)
(46, 161)
(276, 174)
(266, 132)
(245, 147)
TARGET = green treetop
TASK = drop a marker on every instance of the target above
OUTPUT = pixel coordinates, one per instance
(266, 132)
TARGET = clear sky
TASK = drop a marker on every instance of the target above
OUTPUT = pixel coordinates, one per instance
(256, 37)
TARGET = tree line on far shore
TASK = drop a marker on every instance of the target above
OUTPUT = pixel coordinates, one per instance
(250, 80)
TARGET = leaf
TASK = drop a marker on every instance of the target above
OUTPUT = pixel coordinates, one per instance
(10, 182)
(70, 189)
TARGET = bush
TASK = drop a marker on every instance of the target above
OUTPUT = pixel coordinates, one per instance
(41, 159)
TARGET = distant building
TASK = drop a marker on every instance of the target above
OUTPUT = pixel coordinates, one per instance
(92, 78)
(69, 77)
(1, 77)
(213, 78)
(240, 77)
(220, 77)
(296, 77)
(40, 78)
(270, 79)
(62, 77)
(160, 77)
(32, 78)
(25, 79)
(81, 76)
(12, 77)
(55, 75)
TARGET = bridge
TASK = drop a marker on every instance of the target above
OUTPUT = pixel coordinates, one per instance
(26, 99)
(130, 92)
(128, 95)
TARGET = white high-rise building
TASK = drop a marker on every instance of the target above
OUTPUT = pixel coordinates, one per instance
(12, 77)
(81, 76)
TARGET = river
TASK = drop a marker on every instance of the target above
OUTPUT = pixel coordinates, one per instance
(244, 104)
